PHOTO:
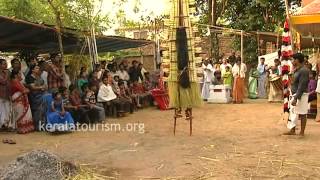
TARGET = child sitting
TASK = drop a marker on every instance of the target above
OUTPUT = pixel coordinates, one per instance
(125, 96)
(58, 118)
(139, 93)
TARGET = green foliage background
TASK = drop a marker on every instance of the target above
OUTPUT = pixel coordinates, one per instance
(247, 15)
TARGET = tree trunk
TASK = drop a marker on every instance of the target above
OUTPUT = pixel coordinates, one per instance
(59, 27)
(59, 24)
(210, 12)
(214, 12)
(214, 35)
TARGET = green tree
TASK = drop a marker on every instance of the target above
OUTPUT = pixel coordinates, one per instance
(75, 14)
(248, 15)
(30, 10)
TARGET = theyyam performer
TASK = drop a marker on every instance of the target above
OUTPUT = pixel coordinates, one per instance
(180, 61)
(294, 89)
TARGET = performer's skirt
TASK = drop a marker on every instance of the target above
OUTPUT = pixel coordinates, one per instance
(184, 97)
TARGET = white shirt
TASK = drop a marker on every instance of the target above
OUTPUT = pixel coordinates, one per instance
(262, 68)
(123, 75)
(242, 70)
(208, 72)
(99, 74)
(44, 77)
(106, 93)
(143, 70)
(67, 80)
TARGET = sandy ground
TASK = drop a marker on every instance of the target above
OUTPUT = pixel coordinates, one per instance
(229, 142)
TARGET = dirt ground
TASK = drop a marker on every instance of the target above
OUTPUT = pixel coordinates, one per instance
(229, 142)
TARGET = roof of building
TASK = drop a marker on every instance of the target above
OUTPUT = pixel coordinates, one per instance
(307, 20)
(17, 35)
(310, 9)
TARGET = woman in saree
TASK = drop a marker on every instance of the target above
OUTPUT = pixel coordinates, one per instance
(253, 83)
(239, 73)
(21, 109)
(36, 96)
(5, 120)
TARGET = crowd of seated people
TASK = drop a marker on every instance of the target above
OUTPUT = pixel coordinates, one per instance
(43, 94)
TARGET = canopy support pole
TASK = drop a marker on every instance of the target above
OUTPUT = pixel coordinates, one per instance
(241, 46)
(258, 42)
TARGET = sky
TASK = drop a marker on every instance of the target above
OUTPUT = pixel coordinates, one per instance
(154, 7)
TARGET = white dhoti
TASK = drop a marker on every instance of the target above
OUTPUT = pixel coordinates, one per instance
(5, 110)
(300, 109)
(205, 90)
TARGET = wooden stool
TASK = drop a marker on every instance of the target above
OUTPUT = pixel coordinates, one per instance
(177, 115)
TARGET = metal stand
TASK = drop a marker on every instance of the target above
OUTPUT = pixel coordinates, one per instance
(178, 114)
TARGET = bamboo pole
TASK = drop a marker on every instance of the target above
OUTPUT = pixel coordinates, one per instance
(95, 46)
(278, 38)
(258, 41)
(59, 27)
(241, 46)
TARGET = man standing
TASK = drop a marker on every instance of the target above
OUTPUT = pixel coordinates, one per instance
(32, 62)
(298, 105)
(135, 72)
(208, 74)
(55, 74)
(44, 66)
(232, 58)
(262, 79)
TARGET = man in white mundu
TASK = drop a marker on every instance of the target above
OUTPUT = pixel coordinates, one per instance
(208, 74)
(298, 105)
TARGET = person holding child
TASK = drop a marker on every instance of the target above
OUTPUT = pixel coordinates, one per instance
(89, 99)
(72, 103)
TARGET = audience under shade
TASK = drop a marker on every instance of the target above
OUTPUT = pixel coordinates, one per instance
(44, 95)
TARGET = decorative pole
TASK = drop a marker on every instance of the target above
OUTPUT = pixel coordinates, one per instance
(288, 20)
(286, 54)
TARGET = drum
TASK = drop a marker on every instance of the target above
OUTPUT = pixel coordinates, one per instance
(277, 83)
